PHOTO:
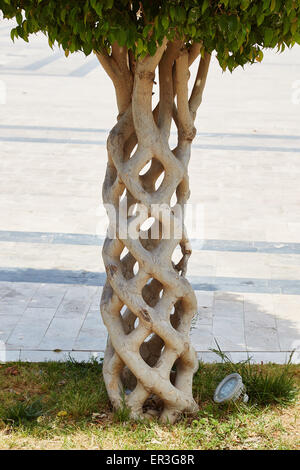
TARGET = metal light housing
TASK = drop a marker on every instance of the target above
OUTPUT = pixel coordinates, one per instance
(231, 389)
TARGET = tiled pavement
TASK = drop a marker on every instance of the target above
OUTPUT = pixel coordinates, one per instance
(245, 173)
(49, 321)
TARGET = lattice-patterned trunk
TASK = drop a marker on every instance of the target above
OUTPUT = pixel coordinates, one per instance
(147, 303)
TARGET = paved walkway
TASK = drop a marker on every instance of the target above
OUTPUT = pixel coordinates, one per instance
(245, 177)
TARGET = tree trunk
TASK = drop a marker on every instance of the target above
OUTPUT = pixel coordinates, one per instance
(147, 303)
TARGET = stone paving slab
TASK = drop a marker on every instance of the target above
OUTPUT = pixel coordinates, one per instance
(244, 325)
(244, 173)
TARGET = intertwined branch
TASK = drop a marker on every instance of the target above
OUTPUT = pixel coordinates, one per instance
(147, 303)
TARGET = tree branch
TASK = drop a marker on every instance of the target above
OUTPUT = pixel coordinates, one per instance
(116, 66)
(186, 128)
(166, 89)
(197, 93)
(144, 123)
(194, 52)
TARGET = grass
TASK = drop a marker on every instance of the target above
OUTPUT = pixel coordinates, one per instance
(263, 386)
(65, 406)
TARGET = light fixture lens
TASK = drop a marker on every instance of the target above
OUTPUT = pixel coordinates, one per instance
(230, 389)
(227, 388)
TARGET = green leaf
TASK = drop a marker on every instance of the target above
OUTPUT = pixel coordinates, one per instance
(172, 12)
(205, 6)
(273, 5)
(13, 34)
(19, 17)
(245, 4)
(260, 55)
(165, 21)
(152, 47)
(109, 4)
(297, 38)
(260, 19)
(140, 46)
(294, 28)
(268, 36)
(180, 14)
(147, 30)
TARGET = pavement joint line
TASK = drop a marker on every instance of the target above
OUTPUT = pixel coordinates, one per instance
(201, 134)
(203, 283)
(84, 69)
(43, 62)
(32, 74)
(83, 321)
(244, 148)
(26, 72)
(236, 246)
(53, 316)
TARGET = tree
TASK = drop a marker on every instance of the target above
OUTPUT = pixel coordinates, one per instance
(147, 302)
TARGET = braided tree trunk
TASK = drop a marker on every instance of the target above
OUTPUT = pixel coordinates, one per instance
(147, 303)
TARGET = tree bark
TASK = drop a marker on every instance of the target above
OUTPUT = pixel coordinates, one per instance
(147, 303)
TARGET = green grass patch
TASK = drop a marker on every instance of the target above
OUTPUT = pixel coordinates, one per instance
(65, 405)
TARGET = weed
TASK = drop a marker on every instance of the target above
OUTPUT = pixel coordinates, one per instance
(122, 414)
(22, 412)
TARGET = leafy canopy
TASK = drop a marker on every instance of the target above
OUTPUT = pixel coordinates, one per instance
(236, 30)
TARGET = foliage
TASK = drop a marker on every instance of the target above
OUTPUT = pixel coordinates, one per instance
(237, 30)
